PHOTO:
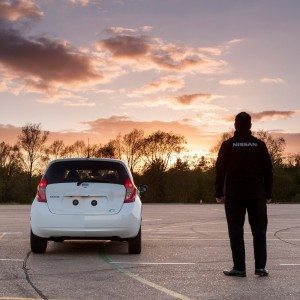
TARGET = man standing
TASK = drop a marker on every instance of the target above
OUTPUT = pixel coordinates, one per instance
(245, 166)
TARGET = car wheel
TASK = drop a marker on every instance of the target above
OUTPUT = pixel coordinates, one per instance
(135, 244)
(38, 244)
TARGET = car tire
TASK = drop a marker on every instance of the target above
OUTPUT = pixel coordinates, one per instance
(38, 244)
(135, 244)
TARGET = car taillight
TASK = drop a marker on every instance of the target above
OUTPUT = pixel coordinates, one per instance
(41, 190)
(130, 191)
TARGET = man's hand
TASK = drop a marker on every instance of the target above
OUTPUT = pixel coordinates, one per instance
(220, 200)
(269, 201)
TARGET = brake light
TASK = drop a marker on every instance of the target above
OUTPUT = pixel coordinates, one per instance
(41, 190)
(130, 191)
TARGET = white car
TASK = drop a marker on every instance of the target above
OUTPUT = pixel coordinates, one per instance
(86, 198)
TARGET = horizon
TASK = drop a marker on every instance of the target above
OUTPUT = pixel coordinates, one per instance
(93, 69)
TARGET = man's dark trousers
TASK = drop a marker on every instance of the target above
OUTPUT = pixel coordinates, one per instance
(258, 220)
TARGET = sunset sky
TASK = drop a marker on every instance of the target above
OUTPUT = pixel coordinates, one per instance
(88, 68)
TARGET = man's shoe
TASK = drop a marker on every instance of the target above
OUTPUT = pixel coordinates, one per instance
(261, 272)
(234, 272)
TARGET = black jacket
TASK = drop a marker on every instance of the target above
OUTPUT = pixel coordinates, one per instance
(244, 164)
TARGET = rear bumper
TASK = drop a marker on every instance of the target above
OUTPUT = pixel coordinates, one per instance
(125, 224)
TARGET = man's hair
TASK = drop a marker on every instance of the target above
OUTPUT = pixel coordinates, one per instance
(242, 121)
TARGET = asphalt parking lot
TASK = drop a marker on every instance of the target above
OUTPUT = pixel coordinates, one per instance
(185, 249)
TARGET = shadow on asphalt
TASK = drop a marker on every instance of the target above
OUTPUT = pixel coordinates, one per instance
(86, 248)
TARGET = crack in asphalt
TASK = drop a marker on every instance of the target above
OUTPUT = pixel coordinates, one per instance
(285, 229)
(26, 269)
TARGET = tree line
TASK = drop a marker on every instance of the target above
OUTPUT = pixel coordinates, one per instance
(160, 160)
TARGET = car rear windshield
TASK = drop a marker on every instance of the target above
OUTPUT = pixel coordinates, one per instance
(86, 171)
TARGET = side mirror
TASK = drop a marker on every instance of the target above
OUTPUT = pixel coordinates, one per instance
(142, 188)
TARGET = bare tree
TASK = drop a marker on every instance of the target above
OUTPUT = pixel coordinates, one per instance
(276, 146)
(107, 151)
(68, 151)
(113, 149)
(93, 150)
(160, 146)
(31, 142)
(4, 150)
(10, 168)
(293, 160)
(132, 147)
(77, 149)
(55, 150)
(181, 165)
(118, 146)
(225, 136)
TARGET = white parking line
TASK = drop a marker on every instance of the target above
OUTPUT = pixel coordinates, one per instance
(10, 259)
(197, 239)
(190, 231)
(200, 231)
(10, 233)
(167, 263)
(17, 298)
(149, 263)
(184, 239)
(150, 220)
(143, 280)
(3, 234)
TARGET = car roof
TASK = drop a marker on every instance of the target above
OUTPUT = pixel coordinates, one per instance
(87, 159)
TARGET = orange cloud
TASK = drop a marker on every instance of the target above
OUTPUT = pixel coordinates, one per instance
(235, 41)
(126, 46)
(267, 115)
(50, 67)
(272, 115)
(120, 30)
(44, 61)
(277, 80)
(67, 99)
(235, 81)
(14, 10)
(195, 102)
(166, 83)
(59, 71)
(123, 30)
(145, 53)
(9, 133)
(190, 98)
(80, 2)
(115, 124)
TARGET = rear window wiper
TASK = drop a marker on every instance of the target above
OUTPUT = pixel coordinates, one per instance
(91, 180)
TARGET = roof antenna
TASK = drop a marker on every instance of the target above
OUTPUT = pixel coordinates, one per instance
(88, 149)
